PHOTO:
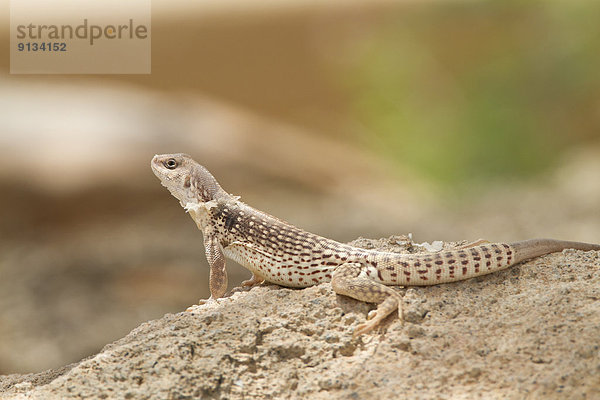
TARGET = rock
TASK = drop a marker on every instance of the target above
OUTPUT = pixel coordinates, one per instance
(534, 336)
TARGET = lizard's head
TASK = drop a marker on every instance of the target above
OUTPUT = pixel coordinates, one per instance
(187, 180)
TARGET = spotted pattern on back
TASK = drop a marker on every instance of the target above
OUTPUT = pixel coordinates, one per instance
(284, 254)
(276, 250)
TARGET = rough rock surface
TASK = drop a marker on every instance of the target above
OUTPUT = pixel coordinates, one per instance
(527, 332)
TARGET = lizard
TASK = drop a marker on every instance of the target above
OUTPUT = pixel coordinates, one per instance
(280, 253)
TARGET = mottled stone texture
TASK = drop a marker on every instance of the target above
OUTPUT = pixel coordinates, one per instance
(527, 332)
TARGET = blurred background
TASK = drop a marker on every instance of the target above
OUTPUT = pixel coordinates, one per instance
(449, 120)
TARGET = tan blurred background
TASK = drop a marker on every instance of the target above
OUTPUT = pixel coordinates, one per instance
(450, 120)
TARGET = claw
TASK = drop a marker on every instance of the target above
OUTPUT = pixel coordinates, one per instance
(200, 303)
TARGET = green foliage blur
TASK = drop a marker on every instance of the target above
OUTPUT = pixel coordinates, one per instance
(464, 92)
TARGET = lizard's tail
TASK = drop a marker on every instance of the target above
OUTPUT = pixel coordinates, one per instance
(538, 247)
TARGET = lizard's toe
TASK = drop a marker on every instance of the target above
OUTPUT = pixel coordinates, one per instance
(200, 303)
(364, 328)
(372, 314)
(252, 282)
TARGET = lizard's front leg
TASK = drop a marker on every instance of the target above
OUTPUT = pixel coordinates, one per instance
(216, 261)
(347, 280)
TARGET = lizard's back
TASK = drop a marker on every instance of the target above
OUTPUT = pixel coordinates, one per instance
(284, 254)
(276, 250)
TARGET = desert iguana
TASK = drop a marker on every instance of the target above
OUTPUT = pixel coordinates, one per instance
(280, 253)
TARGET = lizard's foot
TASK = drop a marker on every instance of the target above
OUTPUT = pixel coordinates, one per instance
(201, 302)
(372, 322)
(346, 280)
(364, 328)
(374, 317)
(255, 280)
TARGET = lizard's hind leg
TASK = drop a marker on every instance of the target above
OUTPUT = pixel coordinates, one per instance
(350, 280)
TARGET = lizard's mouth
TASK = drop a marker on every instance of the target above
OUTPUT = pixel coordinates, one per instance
(158, 169)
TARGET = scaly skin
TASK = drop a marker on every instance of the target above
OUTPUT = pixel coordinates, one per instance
(278, 252)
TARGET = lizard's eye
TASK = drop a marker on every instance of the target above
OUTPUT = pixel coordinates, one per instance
(171, 163)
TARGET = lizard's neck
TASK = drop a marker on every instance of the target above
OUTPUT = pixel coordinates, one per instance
(200, 212)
